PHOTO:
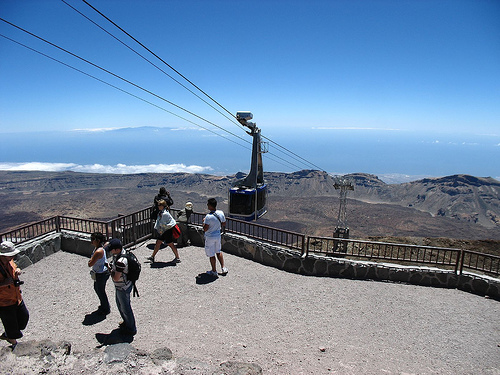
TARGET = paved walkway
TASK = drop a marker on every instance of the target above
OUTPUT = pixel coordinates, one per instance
(286, 323)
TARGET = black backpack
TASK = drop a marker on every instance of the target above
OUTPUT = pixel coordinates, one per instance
(134, 269)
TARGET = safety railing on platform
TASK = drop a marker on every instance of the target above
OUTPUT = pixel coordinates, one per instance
(455, 259)
(30, 231)
(487, 263)
(137, 227)
(82, 225)
(130, 229)
(295, 241)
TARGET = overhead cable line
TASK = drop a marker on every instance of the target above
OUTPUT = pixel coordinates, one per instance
(123, 79)
(171, 67)
(180, 74)
(120, 89)
(293, 153)
(124, 91)
(159, 58)
(136, 96)
(146, 59)
(143, 89)
(129, 93)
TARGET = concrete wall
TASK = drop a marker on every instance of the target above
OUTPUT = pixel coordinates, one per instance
(41, 247)
(312, 265)
(287, 260)
(37, 249)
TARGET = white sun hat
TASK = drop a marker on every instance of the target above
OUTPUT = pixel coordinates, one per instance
(7, 249)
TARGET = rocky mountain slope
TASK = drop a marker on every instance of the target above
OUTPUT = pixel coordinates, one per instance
(306, 201)
(462, 197)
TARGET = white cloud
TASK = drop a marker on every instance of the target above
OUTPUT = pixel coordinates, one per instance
(188, 128)
(96, 130)
(99, 168)
(350, 128)
(37, 166)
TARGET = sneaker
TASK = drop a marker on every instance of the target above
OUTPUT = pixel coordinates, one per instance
(152, 259)
(176, 260)
(212, 273)
(224, 271)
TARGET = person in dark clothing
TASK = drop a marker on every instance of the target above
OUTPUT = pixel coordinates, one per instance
(163, 194)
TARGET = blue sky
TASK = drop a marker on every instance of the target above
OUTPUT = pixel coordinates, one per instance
(350, 86)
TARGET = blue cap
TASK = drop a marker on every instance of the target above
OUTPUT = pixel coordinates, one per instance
(115, 243)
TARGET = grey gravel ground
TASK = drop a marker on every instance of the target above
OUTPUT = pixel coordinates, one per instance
(285, 323)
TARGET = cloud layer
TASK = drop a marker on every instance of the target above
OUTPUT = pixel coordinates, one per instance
(99, 168)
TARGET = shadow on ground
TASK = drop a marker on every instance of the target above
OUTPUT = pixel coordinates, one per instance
(205, 278)
(93, 318)
(114, 337)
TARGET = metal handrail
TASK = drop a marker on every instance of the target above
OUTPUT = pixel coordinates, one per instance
(481, 262)
(30, 231)
(137, 227)
(454, 258)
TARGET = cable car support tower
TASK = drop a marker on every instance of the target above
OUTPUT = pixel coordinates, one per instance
(342, 230)
(247, 197)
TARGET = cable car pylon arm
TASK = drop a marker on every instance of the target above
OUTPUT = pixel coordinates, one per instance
(247, 197)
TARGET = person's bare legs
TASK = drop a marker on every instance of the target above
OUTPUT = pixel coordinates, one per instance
(213, 264)
(220, 258)
(174, 250)
(157, 248)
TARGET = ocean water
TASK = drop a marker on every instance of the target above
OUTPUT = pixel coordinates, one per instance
(150, 149)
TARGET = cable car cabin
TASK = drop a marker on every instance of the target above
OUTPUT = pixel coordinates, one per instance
(247, 197)
(242, 202)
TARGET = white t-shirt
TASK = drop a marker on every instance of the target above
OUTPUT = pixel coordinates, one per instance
(214, 224)
(123, 283)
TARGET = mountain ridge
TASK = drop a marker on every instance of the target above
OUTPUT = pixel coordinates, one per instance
(305, 201)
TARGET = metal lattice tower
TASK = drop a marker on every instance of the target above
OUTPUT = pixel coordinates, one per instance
(344, 184)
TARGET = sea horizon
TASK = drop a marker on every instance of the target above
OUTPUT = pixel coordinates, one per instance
(392, 156)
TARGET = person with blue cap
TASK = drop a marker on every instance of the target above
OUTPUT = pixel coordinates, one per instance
(123, 286)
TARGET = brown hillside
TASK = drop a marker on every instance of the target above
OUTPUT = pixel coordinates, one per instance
(304, 201)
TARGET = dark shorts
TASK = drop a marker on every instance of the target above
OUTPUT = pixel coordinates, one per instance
(166, 236)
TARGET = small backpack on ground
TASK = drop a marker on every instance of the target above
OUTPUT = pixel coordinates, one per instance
(134, 269)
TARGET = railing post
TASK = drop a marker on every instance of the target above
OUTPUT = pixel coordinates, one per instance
(58, 224)
(134, 228)
(462, 260)
(107, 230)
(458, 262)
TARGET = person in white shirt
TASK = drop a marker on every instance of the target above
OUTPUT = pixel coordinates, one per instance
(214, 224)
(163, 226)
